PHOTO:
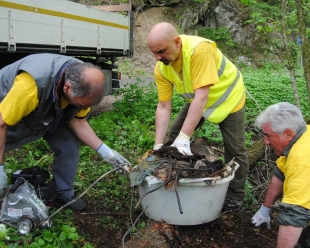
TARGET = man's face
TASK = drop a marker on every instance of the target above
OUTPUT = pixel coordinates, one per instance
(277, 141)
(164, 51)
(81, 102)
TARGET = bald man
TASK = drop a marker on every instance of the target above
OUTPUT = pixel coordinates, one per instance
(213, 89)
(49, 96)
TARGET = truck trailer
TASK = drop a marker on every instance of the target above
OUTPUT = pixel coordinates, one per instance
(96, 34)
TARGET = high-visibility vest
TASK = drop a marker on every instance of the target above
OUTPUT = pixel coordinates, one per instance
(223, 96)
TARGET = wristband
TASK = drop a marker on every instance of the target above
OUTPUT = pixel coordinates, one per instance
(182, 136)
(157, 146)
(104, 150)
(265, 211)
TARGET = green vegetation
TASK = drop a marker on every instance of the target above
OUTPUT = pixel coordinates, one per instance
(221, 36)
(130, 68)
(61, 234)
(129, 128)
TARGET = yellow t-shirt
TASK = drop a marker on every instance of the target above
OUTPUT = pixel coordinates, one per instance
(296, 169)
(203, 69)
(22, 99)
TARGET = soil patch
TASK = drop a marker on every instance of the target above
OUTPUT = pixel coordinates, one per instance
(231, 229)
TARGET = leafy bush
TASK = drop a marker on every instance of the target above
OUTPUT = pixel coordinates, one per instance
(221, 36)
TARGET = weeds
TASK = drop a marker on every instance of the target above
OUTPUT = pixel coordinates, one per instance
(130, 68)
(220, 35)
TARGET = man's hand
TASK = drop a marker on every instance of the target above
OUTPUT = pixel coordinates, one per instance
(262, 216)
(3, 181)
(182, 143)
(112, 157)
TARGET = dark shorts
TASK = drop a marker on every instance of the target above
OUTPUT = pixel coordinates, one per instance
(293, 215)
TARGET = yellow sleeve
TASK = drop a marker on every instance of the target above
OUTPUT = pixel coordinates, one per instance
(82, 113)
(204, 65)
(280, 162)
(21, 100)
(164, 87)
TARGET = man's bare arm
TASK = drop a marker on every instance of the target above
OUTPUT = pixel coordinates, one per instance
(162, 120)
(274, 191)
(85, 133)
(3, 130)
(195, 110)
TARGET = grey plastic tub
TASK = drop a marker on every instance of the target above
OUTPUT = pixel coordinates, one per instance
(201, 200)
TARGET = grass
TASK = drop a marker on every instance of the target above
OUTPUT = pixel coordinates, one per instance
(129, 129)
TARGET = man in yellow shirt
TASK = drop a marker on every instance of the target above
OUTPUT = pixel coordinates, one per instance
(213, 89)
(49, 96)
(287, 133)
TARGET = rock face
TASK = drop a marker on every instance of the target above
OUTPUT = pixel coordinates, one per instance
(217, 14)
(209, 13)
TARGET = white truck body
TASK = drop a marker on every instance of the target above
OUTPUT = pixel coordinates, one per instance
(63, 27)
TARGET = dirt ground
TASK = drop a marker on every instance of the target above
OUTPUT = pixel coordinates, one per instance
(143, 59)
(231, 229)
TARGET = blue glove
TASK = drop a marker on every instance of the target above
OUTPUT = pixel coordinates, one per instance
(3, 181)
(112, 157)
(262, 216)
(182, 143)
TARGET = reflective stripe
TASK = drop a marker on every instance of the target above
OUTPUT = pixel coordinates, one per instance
(220, 73)
(50, 12)
(207, 113)
(188, 95)
(222, 67)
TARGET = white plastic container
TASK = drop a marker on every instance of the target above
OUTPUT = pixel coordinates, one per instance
(201, 202)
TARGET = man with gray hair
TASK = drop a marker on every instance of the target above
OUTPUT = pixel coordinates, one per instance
(287, 133)
(49, 96)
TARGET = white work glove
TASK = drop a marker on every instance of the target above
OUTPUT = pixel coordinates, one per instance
(262, 216)
(183, 144)
(3, 181)
(157, 147)
(112, 157)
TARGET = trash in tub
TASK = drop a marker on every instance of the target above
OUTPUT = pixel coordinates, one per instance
(181, 189)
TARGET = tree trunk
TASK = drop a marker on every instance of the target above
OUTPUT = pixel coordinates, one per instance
(256, 151)
(305, 47)
(288, 54)
(294, 87)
